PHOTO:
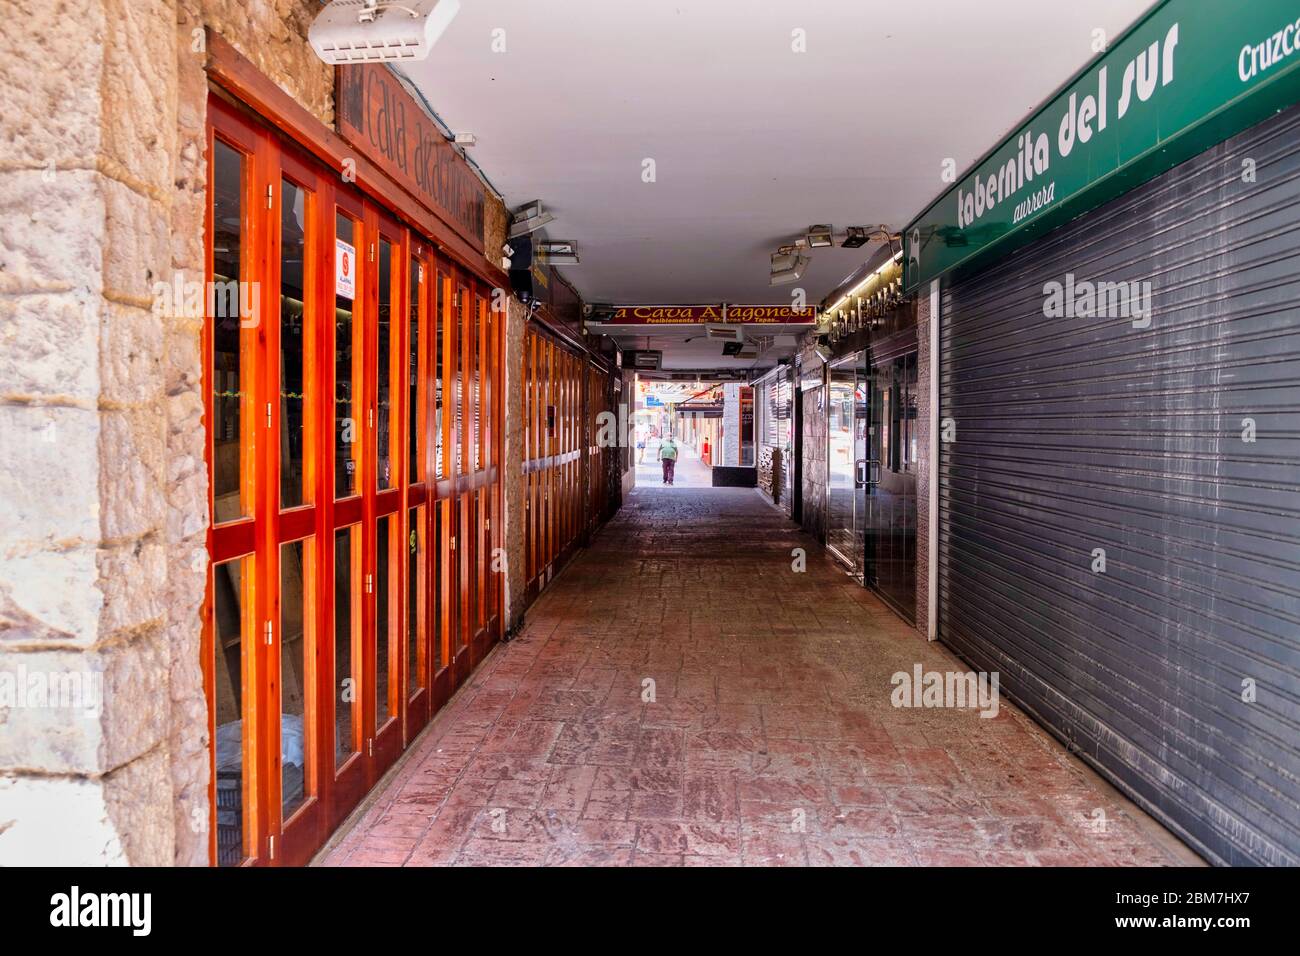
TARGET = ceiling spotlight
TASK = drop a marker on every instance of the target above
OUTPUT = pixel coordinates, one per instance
(821, 236)
(855, 237)
(361, 31)
(558, 253)
(529, 218)
(466, 139)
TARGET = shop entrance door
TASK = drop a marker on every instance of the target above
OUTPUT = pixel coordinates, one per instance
(890, 500)
(847, 461)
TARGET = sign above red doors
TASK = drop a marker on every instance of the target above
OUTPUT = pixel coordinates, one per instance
(381, 119)
(701, 314)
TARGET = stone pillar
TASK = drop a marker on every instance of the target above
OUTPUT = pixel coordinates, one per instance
(730, 425)
(101, 549)
(515, 516)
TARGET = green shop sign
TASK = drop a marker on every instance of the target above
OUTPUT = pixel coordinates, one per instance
(1187, 75)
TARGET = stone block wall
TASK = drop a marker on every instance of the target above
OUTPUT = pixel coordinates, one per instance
(816, 434)
(95, 567)
(730, 425)
(815, 438)
(516, 568)
(102, 476)
(627, 456)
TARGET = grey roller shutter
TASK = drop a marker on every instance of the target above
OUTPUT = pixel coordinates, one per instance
(1082, 433)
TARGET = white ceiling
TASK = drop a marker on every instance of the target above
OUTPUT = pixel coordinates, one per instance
(752, 142)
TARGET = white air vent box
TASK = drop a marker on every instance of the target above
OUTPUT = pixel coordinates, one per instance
(366, 31)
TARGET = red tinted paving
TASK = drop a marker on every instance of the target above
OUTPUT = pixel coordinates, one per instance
(770, 740)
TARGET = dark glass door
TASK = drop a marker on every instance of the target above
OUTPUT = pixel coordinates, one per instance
(846, 462)
(890, 519)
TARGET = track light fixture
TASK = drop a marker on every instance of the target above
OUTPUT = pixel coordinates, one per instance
(819, 237)
(855, 237)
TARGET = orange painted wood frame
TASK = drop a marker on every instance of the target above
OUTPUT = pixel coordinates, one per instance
(457, 593)
(563, 459)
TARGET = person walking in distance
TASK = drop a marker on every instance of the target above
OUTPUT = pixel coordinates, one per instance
(668, 456)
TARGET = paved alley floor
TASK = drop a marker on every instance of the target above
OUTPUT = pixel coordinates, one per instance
(681, 695)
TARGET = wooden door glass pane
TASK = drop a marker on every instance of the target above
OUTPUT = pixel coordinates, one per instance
(228, 447)
(230, 593)
(459, 386)
(464, 569)
(416, 589)
(345, 426)
(471, 537)
(295, 580)
(489, 369)
(384, 357)
(294, 208)
(414, 465)
(476, 361)
(438, 568)
(439, 342)
(346, 632)
(383, 614)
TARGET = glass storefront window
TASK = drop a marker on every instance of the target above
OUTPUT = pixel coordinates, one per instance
(229, 448)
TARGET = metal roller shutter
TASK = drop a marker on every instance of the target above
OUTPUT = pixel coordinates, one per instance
(1080, 433)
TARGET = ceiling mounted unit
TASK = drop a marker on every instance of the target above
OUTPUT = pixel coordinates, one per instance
(557, 253)
(365, 31)
(821, 236)
(647, 360)
(529, 218)
(727, 333)
(855, 237)
(788, 267)
(742, 350)
(597, 312)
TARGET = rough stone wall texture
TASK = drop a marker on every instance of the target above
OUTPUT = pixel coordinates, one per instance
(924, 467)
(86, 187)
(815, 438)
(516, 568)
(495, 228)
(627, 461)
(272, 34)
(102, 476)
